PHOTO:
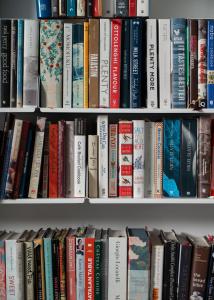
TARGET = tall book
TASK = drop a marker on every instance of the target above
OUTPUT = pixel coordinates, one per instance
(210, 64)
(13, 62)
(71, 264)
(71, 8)
(80, 264)
(158, 159)
(90, 8)
(178, 38)
(31, 63)
(86, 64)
(97, 8)
(3, 237)
(104, 264)
(212, 165)
(62, 263)
(132, 8)
(89, 263)
(202, 63)
(81, 8)
(121, 8)
(43, 8)
(98, 252)
(51, 62)
(47, 241)
(53, 160)
(210, 273)
(113, 160)
(54, 8)
(45, 163)
(142, 8)
(94, 45)
(56, 264)
(125, 64)
(62, 8)
(92, 166)
(193, 99)
(149, 159)
(125, 154)
(61, 159)
(20, 50)
(69, 157)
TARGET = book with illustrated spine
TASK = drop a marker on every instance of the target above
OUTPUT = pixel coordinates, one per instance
(80, 264)
(210, 64)
(193, 97)
(113, 160)
(3, 237)
(202, 63)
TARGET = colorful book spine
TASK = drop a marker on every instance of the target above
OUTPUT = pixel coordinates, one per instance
(31, 63)
(69, 157)
(51, 62)
(104, 62)
(115, 64)
(61, 159)
(71, 8)
(13, 63)
(125, 64)
(70, 267)
(48, 268)
(142, 8)
(86, 64)
(78, 64)
(202, 63)
(178, 37)
(80, 268)
(3, 293)
(132, 8)
(113, 160)
(67, 66)
(20, 50)
(210, 64)
(97, 8)
(158, 160)
(193, 100)
(122, 8)
(89, 268)
(53, 160)
(92, 166)
(125, 153)
(138, 158)
(81, 8)
(43, 8)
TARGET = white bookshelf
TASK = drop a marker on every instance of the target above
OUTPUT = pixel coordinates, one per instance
(42, 201)
(17, 110)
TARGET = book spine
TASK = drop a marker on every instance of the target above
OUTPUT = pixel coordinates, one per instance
(132, 8)
(125, 159)
(45, 168)
(20, 51)
(81, 8)
(70, 268)
(164, 64)
(78, 64)
(113, 160)
(122, 8)
(158, 160)
(142, 8)
(61, 159)
(67, 66)
(55, 264)
(108, 9)
(55, 8)
(185, 260)
(210, 65)
(13, 63)
(90, 9)
(5, 62)
(53, 160)
(71, 8)
(102, 132)
(3, 293)
(138, 158)
(62, 8)
(62, 269)
(202, 63)
(86, 64)
(80, 268)
(69, 158)
(125, 65)
(152, 64)
(94, 45)
(97, 270)
(104, 268)
(89, 268)
(193, 102)
(43, 8)
(187, 63)
(30, 69)
(178, 37)
(210, 277)
(51, 62)
(171, 171)
(104, 62)
(93, 166)
(48, 269)
(115, 64)
(29, 270)
(157, 272)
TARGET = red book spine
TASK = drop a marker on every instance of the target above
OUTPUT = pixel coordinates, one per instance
(3, 295)
(89, 268)
(53, 160)
(61, 160)
(125, 159)
(71, 267)
(132, 8)
(212, 175)
(97, 8)
(115, 64)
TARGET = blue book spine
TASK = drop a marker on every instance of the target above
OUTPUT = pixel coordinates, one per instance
(171, 167)
(125, 65)
(178, 38)
(210, 64)
(43, 8)
(48, 269)
(135, 63)
(20, 50)
(71, 8)
(6, 164)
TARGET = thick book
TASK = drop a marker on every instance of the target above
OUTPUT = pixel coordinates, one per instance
(31, 63)
(61, 159)
(71, 264)
(13, 63)
(20, 51)
(54, 8)
(178, 39)
(93, 166)
(142, 8)
(138, 264)
(94, 44)
(121, 8)
(53, 160)
(71, 8)
(80, 264)
(210, 64)
(86, 64)
(171, 161)
(89, 263)
(69, 157)
(51, 62)
(125, 64)
(193, 97)
(113, 160)
(43, 8)
(202, 63)
(81, 8)
(158, 159)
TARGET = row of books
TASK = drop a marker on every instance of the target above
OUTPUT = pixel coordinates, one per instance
(138, 158)
(92, 8)
(89, 263)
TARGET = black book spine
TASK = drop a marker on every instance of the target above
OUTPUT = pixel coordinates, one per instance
(55, 8)
(5, 41)
(90, 8)
(13, 63)
(56, 278)
(62, 8)
(122, 8)
(125, 65)
(185, 272)
(210, 277)
(38, 273)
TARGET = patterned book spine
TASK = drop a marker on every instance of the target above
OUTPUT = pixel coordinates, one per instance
(30, 69)
(125, 65)
(164, 64)
(138, 158)
(48, 268)
(5, 63)
(122, 8)
(152, 64)
(70, 267)
(45, 167)
(202, 63)
(94, 63)
(43, 8)
(113, 160)
(71, 8)
(61, 159)
(158, 160)
(102, 132)
(204, 156)
(86, 64)
(104, 62)
(125, 158)
(3, 294)
(132, 8)
(81, 7)
(67, 66)
(51, 62)
(178, 37)
(53, 160)
(69, 158)
(108, 9)
(171, 172)
(115, 64)
(89, 268)
(80, 268)
(157, 272)
(13, 63)
(142, 8)
(193, 101)
(62, 8)
(55, 8)
(210, 64)
(93, 166)
(20, 51)
(29, 270)
(78, 65)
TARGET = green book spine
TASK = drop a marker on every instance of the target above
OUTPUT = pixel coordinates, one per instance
(97, 271)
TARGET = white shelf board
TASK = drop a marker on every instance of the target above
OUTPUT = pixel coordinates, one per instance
(44, 201)
(171, 201)
(17, 110)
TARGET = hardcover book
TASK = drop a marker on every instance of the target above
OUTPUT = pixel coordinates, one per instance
(71, 8)
(86, 64)
(125, 64)
(56, 264)
(132, 8)
(202, 63)
(142, 8)
(53, 160)
(81, 8)
(4, 236)
(97, 8)
(80, 264)
(62, 263)
(89, 263)
(45, 164)
(92, 166)
(69, 157)
(113, 160)
(55, 8)
(13, 63)
(158, 159)
(62, 8)
(61, 159)
(71, 264)
(121, 8)
(98, 252)
(210, 64)
(20, 50)
(108, 9)
(48, 264)
(210, 274)
(149, 159)
(43, 8)
(193, 99)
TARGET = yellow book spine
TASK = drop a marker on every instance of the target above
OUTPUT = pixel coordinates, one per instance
(86, 64)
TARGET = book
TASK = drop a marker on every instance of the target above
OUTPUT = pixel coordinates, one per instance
(61, 159)
(71, 8)
(45, 164)
(125, 64)
(51, 62)
(62, 263)
(80, 264)
(202, 63)
(158, 159)
(71, 264)
(142, 8)
(98, 251)
(94, 44)
(193, 100)
(20, 51)
(62, 8)
(90, 8)
(13, 62)
(210, 273)
(81, 7)
(210, 64)
(108, 9)
(69, 156)
(4, 236)
(56, 264)
(104, 264)
(92, 166)
(113, 160)
(43, 8)
(53, 160)
(132, 8)
(89, 263)
(86, 64)
(97, 8)
(121, 8)
(31, 63)
(47, 241)
(149, 159)
(54, 8)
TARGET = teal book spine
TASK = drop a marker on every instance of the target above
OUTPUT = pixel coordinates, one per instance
(20, 52)
(48, 269)
(71, 8)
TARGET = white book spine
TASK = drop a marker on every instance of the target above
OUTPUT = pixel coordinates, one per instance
(31, 55)
(152, 65)
(92, 166)
(138, 158)
(104, 62)
(67, 69)
(157, 272)
(158, 159)
(80, 269)
(79, 165)
(117, 278)
(142, 8)
(81, 8)
(164, 64)
(102, 132)
(69, 154)
(108, 8)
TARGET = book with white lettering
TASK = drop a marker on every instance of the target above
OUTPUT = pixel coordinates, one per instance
(142, 8)
(89, 263)
(69, 158)
(80, 264)
(113, 160)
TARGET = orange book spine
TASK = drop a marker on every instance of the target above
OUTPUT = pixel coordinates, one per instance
(89, 268)
(53, 160)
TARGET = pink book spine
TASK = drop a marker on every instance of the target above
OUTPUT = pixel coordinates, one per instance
(71, 267)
